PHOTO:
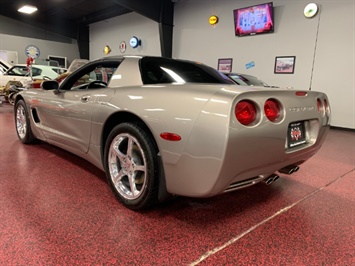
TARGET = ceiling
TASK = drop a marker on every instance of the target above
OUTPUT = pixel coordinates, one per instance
(65, 16)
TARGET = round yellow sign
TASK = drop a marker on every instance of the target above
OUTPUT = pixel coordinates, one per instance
(213, 20)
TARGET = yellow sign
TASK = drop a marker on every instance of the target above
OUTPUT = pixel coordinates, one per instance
(107, 50)
(213, 20)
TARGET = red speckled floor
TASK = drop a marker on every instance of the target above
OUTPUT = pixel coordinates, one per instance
(56, 209)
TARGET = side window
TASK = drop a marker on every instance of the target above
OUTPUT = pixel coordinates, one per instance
(93, 78)
(104, 73)
(35, 71)
(18, 71)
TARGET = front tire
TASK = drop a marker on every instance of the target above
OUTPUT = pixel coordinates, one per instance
(131, 165)
(22, 123)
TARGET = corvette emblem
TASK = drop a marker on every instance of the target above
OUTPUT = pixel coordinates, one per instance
(296, 133)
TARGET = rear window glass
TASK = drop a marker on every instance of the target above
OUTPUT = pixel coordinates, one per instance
(164, 70)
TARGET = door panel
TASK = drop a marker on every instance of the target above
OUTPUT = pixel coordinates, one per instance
(66, 117)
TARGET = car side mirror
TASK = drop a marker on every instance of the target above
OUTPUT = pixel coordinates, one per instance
(50, 85)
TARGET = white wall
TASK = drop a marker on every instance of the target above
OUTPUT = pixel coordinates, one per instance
(334, 69)
(14, 41)
(328, 39)
(113, 31)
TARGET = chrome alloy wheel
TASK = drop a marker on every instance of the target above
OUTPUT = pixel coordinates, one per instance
(127, 166)
(21, 123)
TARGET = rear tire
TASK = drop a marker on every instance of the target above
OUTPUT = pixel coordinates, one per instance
(22, 123)
(132, 166)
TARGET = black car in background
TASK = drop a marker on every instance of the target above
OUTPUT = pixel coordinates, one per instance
(248, 80)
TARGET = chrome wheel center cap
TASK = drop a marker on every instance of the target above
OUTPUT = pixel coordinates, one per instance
(127, 165)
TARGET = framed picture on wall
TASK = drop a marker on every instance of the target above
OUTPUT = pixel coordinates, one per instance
(284, 64)
(225, 65)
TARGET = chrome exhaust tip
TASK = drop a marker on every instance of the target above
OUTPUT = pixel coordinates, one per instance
(270, 179)
(289, 169)
(276, 177)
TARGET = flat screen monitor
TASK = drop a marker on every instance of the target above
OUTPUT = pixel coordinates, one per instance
(254, 20)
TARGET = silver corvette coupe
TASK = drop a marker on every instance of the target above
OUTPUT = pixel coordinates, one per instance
(161, 127)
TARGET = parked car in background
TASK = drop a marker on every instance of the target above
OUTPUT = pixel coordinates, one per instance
(160, 126)
(248, 80)
(4, 66)
(77, 63)
(20, 73)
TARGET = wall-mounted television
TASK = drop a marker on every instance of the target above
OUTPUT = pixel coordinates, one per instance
(253, 20)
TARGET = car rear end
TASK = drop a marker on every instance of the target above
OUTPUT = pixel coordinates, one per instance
(272, 132)
(245, 136)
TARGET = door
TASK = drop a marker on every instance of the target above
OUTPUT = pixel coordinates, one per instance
(65, 117)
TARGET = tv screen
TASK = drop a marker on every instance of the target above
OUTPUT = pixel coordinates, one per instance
(253, 20)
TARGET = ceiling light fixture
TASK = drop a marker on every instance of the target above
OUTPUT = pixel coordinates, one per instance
(27, 9)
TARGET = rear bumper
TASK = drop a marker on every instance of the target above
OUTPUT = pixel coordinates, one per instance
(247, 161)
(221, 152)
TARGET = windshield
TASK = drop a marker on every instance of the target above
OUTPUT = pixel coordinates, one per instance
(23, 71)
(165, 70)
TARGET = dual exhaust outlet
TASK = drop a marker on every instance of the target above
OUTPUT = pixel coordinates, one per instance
(286, 170)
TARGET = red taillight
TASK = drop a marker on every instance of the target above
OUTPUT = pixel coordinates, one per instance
(170, 136)
(325, 104)
(245, 112)
(272, 110)
(319, 105)
(326, 107)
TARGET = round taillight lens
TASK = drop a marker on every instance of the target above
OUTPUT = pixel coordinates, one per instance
(326, 106)
(272, 110)
(319, 105)
(245, 112)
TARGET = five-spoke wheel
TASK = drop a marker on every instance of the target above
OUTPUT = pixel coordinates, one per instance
(131, 165)
(22, 121)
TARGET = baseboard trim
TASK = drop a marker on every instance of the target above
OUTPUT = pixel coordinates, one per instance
(343, 128)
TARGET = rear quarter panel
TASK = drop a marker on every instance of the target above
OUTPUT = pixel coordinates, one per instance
(163, 108)
(222, 151)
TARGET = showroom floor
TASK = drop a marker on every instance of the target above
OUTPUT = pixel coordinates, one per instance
(56, 209)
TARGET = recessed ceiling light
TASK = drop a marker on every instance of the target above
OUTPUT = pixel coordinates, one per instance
(27, 9)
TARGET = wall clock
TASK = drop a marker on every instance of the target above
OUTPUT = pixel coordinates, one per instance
(310, 10)
(32, 51)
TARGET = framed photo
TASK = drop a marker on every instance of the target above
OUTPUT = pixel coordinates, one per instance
(225, 65)
(284, 64)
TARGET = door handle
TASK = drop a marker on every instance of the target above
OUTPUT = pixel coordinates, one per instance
(85, 98)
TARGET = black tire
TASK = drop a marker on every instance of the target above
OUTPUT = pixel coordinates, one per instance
(132, 166)
(22, 123)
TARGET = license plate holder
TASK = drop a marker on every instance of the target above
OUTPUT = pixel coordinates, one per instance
(296, 134)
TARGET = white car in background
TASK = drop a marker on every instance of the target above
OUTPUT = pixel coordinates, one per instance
(4, 66)
(20, 73)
